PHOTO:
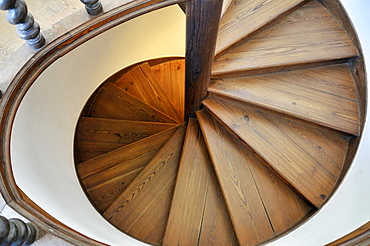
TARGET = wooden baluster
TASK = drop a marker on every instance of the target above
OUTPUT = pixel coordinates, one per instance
(93, 7)
(16, 232)
(27, 28)
(202, 21)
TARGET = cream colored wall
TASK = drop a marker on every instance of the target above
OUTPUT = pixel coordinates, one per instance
(43, 133)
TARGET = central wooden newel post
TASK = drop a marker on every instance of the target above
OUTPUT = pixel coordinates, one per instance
(202, 22)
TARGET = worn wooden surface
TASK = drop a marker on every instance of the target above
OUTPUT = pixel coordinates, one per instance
(114, 103)
(245, 17)
(142, 83)
(323, 95)
(142, 208)
(171, 76)
(312, 179)
(198, 214)
(225, 6)
(106, 176)
(284, 208)
(97, 136)
(308, 36)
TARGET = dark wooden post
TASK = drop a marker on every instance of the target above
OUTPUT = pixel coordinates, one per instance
(93, 7)
(16, 232)
(27, 28)
(202, 21)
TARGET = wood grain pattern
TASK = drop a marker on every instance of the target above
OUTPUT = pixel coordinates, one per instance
(284, 208)
(225, 6)
(114, 103)
(97, 136)
(198, 213)
(142, 83)
(142, 208)
(202, 22)
(106, 176)
(309, 35)
(104, 162)
(298, 168)
(246, 208)
(171, 76)
(217, 228)
(185, 219)
(243, 18)
(323, 95)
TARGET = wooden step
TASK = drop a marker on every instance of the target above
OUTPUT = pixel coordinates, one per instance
(143, 84)
(171, 76)
(142, 208)
(198, 213)
(279, 141)
(112, 102)
(225, 5)
(240, 172)
(106, 176)
(307, 37)
(323, 95)
(97, 136)
(244, 17)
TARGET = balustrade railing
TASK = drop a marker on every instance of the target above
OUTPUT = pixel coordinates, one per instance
(16, 232)
(93, 7)
(27, 28)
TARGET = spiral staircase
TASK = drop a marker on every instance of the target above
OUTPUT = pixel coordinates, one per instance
(266, 151)
(272, 141)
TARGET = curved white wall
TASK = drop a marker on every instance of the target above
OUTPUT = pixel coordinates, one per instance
(43, 132)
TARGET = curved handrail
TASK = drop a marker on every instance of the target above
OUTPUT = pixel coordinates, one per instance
(19, 86)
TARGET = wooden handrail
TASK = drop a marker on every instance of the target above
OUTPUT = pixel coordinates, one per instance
(202, 22)
(21, 83)
(27, 28)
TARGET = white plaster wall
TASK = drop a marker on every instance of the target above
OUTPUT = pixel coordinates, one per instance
(43, 133)
(349, 207)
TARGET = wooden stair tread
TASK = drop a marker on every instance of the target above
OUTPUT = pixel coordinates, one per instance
(171, 76)
(142, 83)
(243, 18)
(250, 220)
(225, 5)
(323, 95)
(284, 208)
(113, 103)
(105, 176)
(141, 210)
(97, 136)
(198, 213)
(308, 36)
(297, 165)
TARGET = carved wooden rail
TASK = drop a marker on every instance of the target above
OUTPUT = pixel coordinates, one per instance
(16, 232)
(27, 28)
